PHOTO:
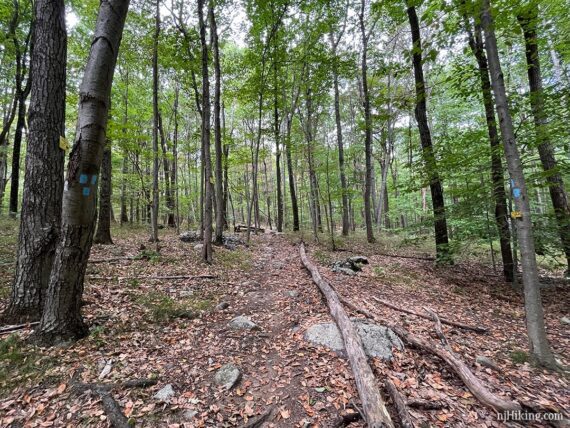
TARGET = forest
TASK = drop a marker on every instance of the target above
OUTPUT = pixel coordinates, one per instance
(284, 213)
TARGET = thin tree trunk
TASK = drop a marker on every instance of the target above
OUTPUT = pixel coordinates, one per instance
(277, 136)
(103, 234)
(292, 191)
(16, 150)
(43, 181)
(367, 130)
(539, 345)
(217, 128)
(441, 239)
(528, 20)
(61, 319)
(124, 216)
(155, 128)
(207, 166)
(497, 178)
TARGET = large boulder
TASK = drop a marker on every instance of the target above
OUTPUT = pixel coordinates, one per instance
(190, 236)
(377, 340)
(350, 266)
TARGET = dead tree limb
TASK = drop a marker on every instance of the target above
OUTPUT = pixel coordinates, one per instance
(400, 404)
(438, 328)
(474, 385)
(419, 403)
(171, 277)
(12, 328)
(113, 411)
(443, 320)
(374, 408)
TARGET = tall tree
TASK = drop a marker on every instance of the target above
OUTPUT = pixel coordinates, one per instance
(497, 178)
(539, 345)
(61, 318)
(217, 126)
(441, 239)
(207, 162)
(528, 19)
(43, 183)
(367, 123)
(155, 127)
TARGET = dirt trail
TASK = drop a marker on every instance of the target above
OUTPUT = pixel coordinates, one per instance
(307, 386)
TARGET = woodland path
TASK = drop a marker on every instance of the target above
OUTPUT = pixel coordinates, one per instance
(303, 384)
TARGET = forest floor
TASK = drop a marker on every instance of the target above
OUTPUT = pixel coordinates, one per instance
(142, 328)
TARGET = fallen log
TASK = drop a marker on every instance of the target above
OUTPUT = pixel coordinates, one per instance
(428, 317)
(438, 328)
(420, 403)
(243, 228)
(474, 385)
(374, 408)
(400, 404)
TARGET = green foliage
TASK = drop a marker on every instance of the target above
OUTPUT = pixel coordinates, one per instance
(164, 309)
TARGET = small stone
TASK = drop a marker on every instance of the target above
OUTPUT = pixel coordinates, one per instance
(227, 376)
(198, 247)
(565, 320)
(487, 362)
(344, 270)
(222, 305)
(165, 394)
(189, 414)
(210, 361)
(243, 323)
(292, 293)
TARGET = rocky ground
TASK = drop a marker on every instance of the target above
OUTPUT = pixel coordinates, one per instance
(227, 349)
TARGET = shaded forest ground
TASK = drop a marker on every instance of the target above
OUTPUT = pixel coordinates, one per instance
(147, 328)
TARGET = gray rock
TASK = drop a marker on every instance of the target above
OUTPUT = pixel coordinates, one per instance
(189, 236)
(565, 320)
(243, 323)
(227, 376)
(222, 305)
(198, 247)
(487, 362)
(165, 394)
(292, 293)
(344, 270)
(378, 340)
(358, 260)
(189, 414)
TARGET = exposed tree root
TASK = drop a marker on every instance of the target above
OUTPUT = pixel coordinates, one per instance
(259, 420)
(477, 329)
(11, 328)
(400, 404)
(374, 408)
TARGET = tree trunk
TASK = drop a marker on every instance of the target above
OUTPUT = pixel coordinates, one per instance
(539, 345)
(528, 20)
(292, 191)
(277, 136)
(43, 184)
(61, 319)
(209, 188)
(497, 178)
(441, 240)
(16, 150)
(103, 234)
(367, 130)
(343, 186)
(167, 171)
(155, 128)
(217, 128)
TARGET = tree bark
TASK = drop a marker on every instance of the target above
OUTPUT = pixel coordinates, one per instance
(528, 20)
(277, 137)
(539, 345)
(497, 178)
(443, 254)
(217, 128)
(367, 130)
(375, 412)
(61, 319)
(209, 188)
(43, 183)
(103, 234)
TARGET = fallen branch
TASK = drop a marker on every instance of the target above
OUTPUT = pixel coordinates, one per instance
(374, 408)
(12, 328)
(443, 320)
(419, 403)
(172, 277)
(113, 411)
(346, 419)
(474, 385)
(400, 405)
(258, 420)
(111, 260)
